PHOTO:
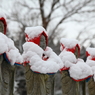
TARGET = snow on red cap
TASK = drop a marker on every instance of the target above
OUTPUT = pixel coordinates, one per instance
(33, 34)
(90, 52)
(69, 45)
(4, 22)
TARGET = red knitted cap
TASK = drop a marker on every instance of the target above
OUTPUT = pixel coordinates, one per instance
(36, 40)
(5, 24)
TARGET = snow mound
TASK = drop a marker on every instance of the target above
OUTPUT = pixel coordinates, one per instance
(7, 46)
(34, 55)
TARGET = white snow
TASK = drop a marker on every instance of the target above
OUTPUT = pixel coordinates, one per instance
(7, 46)
(2, 14)
(30, 49)
(34, 31)
(68, 43)
(91, 63)
(80, 70)
(34, 54)
(53, 56)
(68, 58)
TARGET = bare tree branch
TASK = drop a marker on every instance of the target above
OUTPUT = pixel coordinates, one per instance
(27, 6)
(52, 8)
(44, 23)
(70, 13)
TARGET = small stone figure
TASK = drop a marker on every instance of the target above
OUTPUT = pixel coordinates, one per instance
(8, 58)
(74, 70)
(39, 60)
(6, 70)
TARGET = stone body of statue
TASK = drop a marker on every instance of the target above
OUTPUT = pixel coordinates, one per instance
(6, 69)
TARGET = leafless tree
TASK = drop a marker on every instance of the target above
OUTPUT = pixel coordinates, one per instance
(51, 14)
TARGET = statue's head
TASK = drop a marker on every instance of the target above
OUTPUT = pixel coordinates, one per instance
(70, 45)
(3, 25)
(43, 42)
(37, 35)
(90, 53)
(77, 51)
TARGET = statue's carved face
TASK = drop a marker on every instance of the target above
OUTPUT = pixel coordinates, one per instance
(1, 27)
(43, 42)
(76, 52)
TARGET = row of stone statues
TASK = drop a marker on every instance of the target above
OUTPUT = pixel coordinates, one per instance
(41, 64)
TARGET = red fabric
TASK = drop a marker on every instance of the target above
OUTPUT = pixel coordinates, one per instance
(5, 24)
(82, 79)
(26, 62)
(71, 50)
(93, 59)
(74, 48)
(64, 68)
(87, 54)
(18, 63)
(63, 47)
(36, 72)
(36, 40)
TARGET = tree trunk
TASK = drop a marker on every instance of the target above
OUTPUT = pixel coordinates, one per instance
(35, 82)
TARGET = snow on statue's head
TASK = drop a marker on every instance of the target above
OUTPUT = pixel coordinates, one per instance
(37, 35)
(71, 45)
(3, 24)
(90, 51)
